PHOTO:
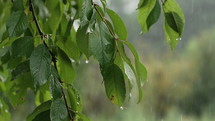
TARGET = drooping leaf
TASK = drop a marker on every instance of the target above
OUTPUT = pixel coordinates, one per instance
(70, 48)
(83, 40)
(148, 14)
(119, 25)
(54, 16)
(74, 99)
(66, 70)
(43, 116)
(140, 72)
(174, 22)
(41, 108)
(154, 15)
(129, 72)
(114, 84)
(58, 110)
(102, 45)
(40, 65)
(22, 47)
(17, 24)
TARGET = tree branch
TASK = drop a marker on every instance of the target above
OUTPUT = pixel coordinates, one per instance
(54, 60)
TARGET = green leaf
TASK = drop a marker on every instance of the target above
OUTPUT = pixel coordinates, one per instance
(174, 22)
(83, 40)
(74, 99)
(66, 70)
(154, 15)
(119, 25)
(86, 13)
(6, 57)
(22, 47)
(43, 116)
(58, 110)
(132, 48)
(17, 24)
(114, 84)
(55, 85)
(53, 19)
(140, 72)
(148, 14)
(17, 5)
(41, 108)
(70, 48)
(40, 65)
(102, 44)
(129, 72)
(20, 69)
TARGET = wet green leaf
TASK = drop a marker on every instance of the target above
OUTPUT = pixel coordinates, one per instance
(40, 65)
(17, 24)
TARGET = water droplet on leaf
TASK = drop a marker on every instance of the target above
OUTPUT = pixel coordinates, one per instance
(72, 60)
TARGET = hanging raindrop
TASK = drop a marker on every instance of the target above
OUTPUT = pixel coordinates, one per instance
(122, 108)
(87, 61)
(178, 39)
(72, 60)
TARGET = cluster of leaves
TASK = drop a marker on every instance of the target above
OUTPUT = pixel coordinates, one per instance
(41, 47)
(149, 12)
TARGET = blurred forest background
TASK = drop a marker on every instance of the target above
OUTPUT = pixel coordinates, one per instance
(180, 85)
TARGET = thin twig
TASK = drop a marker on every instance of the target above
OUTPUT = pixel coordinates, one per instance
(54, 60)
(104, 20)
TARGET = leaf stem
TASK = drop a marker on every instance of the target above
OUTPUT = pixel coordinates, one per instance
(54, 60)
(109, 28)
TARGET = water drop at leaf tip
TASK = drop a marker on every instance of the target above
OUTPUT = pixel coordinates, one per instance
(179, 39)
(87, 61)
(72, 60)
